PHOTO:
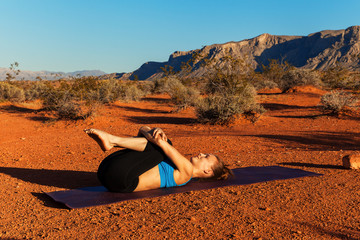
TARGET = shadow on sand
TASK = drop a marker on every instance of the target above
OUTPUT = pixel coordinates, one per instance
(320, 140)
(143, 110)
(17, 109)
(20, 110)
(55, 178)
(162, 120)
(278, 106)
(311, 165)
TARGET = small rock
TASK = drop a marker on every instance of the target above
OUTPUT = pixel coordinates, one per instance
(22, 138)
(265, 208)
(351, 161)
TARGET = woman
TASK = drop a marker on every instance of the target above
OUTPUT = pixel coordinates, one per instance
(149, 161)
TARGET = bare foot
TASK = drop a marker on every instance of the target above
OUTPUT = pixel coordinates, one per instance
(101, 137)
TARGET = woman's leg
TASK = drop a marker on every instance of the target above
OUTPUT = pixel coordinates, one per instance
(107, 141)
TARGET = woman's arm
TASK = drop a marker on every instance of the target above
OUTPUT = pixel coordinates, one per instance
(184, 167)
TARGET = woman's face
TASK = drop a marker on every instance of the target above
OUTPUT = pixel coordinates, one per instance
(203, 161)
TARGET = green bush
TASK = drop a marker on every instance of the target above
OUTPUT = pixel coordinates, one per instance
(9, 92)
(337, 101)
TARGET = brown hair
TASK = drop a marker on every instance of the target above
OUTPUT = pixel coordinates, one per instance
(220, 170)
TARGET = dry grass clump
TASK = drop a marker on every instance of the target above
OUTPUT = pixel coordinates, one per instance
(336, 102)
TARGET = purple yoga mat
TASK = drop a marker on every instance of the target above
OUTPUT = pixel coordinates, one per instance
(95, 196)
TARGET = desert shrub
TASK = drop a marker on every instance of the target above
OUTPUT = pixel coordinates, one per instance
(131, 92)
(262, 83)
(223, 108)
(36, 90)
(275, 70)
(108, 91)
(341, 78)
(64, 104)
(147, 87)
(160, 85)
(337, 101)
(182, 96)
(229, 93)
(10, 92)
(336, 77)
(83, 85)
(298, 77)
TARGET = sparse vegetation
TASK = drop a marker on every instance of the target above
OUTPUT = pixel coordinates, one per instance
(336, 102)
(228, 89)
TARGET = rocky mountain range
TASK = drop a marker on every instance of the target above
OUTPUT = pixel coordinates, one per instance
(320, 50)
(32, 75)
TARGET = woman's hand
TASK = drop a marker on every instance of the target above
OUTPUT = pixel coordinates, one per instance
(155, 135)
(158, 132)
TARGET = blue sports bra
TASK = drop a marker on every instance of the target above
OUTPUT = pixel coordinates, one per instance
(166, 170)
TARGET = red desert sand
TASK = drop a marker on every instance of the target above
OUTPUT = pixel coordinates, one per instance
(38, 155)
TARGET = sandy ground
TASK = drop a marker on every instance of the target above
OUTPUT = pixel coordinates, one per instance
(39, 155)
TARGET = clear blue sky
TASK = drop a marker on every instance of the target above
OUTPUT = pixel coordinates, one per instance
(119, 36)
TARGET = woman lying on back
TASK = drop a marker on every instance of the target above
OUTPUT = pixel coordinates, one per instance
(149, 161)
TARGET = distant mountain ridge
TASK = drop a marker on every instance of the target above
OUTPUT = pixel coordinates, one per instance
(32, 75)
(320, 50)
